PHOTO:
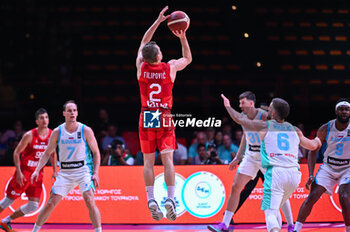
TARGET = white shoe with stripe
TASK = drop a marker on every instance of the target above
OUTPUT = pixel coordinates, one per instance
(171, 209)
(155, 210)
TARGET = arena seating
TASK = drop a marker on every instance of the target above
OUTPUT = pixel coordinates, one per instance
(89, 48)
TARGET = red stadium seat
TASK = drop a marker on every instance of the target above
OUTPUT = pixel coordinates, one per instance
(132, 141)
(183, 141)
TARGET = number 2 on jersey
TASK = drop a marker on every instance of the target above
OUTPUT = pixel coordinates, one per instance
(72, 149)
(282, 141)
(158, 90)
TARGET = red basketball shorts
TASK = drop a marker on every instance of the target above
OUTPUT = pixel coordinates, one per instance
(14, 190)
(151, 139)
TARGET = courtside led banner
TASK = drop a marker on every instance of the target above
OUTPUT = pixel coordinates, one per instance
(201, 195)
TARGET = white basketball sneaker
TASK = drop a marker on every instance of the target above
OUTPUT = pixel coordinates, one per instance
(171, 209)
(155, 210)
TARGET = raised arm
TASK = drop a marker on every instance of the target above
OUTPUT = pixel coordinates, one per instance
(91, 141)
(310, 144)
(312, 157)
(26, 139)
(186, 59)
(51, 147)
(149, 34)
(254, 125)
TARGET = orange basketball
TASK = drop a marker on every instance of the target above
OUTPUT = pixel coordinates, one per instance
(178, 20)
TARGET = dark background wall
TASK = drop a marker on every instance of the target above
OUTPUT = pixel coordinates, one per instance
(52, 51)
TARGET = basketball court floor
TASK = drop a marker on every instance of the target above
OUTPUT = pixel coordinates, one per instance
(319, 227)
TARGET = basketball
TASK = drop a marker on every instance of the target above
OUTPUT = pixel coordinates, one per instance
(178, 21)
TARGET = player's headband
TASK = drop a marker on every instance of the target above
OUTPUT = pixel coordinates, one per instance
(342, 103)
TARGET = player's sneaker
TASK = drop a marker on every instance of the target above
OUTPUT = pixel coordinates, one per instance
(290, 228)
(171, 209)
(6, 227)
(155, 210)
(221, 227)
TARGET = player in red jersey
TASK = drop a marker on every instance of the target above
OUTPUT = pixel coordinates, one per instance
(26, 157)
(156, 80)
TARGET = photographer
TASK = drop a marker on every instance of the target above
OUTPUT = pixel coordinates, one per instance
(213, 155)
(209, 156)
(116, 155)
(228, 150)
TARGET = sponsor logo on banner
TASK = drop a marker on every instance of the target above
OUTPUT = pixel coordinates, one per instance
(161, 193)
(203, 194)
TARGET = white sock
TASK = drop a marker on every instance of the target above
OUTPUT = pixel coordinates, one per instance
(7, 220)
(98, 229)
(36, 228)
(287, 212)
(347, 228)
(227, 218)
(298, 226)
(279, 219)
(171, 192)
(149, 190)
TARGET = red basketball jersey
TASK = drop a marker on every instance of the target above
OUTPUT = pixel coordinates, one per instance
(156, 87)
(32, 153)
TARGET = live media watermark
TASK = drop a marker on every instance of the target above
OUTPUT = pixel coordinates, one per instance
(155, 119)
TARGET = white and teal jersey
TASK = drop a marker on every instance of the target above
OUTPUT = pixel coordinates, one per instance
(337, 154)
(280, 145)
(73, 151)
(252, 139)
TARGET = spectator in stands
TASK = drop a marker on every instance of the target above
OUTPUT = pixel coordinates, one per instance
(117, 155)
(213, 155)
(211, 134)
(192, 151)
(209, 156)
(194, 136)
(227, 129)
(228, 150)
(218, 138)
(17, 132)
(180, 155)
(112, 135)
(237, 137)
(202, 155)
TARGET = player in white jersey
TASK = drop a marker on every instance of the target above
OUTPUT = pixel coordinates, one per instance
(249, 154)
(336, 165)
(279, 155)
(76, 143)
